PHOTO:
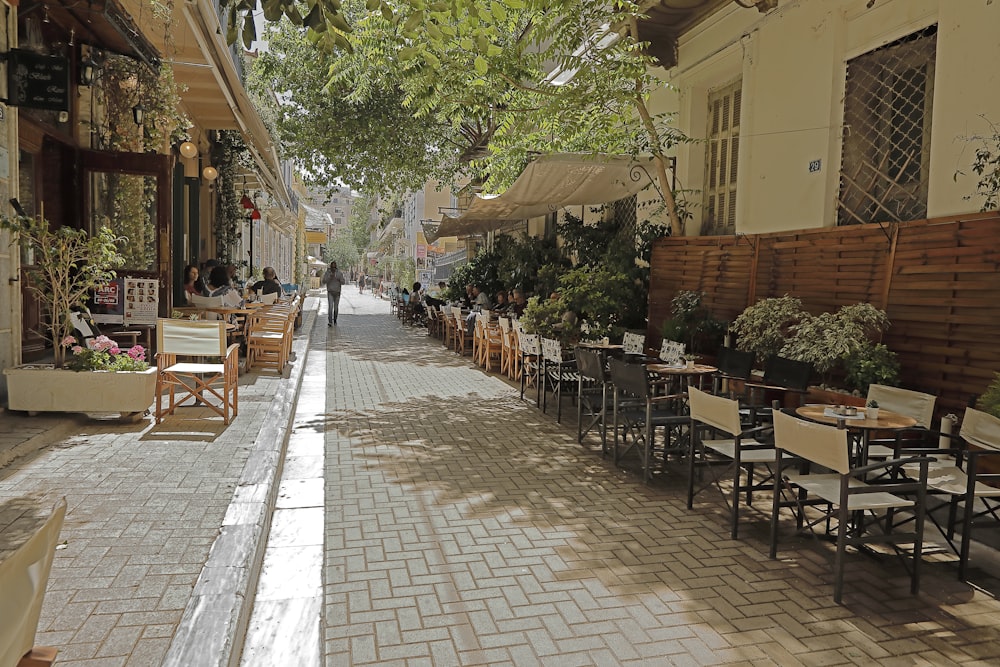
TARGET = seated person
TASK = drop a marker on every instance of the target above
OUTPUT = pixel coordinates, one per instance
(219, 285)
(480, 299)
(518, 305)
(501, 305)
(192, 285)
(435, 295)
(468, 298)
(269, 285)
(415, 299)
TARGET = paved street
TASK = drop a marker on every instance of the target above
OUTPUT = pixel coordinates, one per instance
(461, 527)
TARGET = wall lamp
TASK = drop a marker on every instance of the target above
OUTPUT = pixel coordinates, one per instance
(88, 71)
(210, 173)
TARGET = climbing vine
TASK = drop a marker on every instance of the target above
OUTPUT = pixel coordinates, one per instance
(227, 153)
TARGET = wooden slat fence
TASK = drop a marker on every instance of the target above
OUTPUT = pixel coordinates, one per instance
(938, 280)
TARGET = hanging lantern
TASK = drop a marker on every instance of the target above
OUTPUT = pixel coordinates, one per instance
(139, 113)
(188, 149)
(255, 215)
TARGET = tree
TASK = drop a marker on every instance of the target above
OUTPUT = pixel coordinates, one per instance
(343, 251)
(374, 144)
(527, 76)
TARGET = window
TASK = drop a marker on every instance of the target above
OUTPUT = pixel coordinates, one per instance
(887, 122)
(723, 155)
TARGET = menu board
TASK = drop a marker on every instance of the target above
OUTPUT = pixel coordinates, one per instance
(141, 300)
(37, 81)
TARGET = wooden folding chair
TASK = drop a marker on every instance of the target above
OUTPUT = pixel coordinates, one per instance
(23, 576)
(188, 369)
(269, 336)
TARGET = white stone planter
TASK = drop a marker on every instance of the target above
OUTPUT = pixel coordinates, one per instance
(41, 388)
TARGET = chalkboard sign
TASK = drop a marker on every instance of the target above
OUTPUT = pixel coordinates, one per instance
(37, 81)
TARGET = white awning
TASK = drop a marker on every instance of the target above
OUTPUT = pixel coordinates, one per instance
(552, 182)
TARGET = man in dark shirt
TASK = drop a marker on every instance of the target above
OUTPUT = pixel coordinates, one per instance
(269, 285)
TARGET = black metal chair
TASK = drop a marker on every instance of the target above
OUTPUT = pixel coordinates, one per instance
(780, 375)
(638, 411)
(843, 496)
(592, 395)
(733, 364)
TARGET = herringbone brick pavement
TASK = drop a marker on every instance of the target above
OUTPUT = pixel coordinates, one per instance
(464, 527)
(145, 504)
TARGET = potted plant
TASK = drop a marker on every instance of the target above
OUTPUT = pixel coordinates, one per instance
(66, 264)
(871, 409)
(764, 327)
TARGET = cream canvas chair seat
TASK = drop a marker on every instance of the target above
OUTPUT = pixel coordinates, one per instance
(194, 362)
(915, 404)
(738, 450)
(844, 495)
(268, 299)
(969, 487)
(23, 577)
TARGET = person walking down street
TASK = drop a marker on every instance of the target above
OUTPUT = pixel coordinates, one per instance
(361, 284)
(334, 281)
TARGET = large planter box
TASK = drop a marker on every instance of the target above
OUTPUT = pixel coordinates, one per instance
(39, 388)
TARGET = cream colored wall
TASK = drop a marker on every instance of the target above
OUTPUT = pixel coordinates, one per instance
(10, 303)
(793, 63)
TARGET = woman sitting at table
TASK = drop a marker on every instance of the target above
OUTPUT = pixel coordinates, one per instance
(191, 282)
(220, 285)
(269, 285)
(502, 303)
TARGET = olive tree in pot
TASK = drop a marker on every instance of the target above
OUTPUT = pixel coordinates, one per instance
(66, 264)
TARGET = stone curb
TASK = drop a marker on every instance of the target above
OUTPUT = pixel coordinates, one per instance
(214, 623)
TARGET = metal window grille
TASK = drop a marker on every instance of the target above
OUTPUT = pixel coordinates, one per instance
(887, 123)
(723, 158)
(624, 213)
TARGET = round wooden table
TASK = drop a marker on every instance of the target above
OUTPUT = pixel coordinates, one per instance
(860, 426)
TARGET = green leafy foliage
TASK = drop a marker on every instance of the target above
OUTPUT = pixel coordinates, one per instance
(66, 266)
(585, 294)
(989, 402)
(873, 363)
(828, 340)
(463, 89)
(692, 323)
(986, 165)
(764, 327)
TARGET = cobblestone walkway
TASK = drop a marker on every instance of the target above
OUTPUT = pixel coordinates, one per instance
(464, 527)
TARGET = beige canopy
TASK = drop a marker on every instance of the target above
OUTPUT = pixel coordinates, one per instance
(549, 183)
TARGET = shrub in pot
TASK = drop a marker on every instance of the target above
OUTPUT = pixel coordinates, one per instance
(764, 327)
(692, 323)
(828, 340)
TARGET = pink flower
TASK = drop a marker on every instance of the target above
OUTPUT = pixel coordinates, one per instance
(115, 350)
(76, 349)
(67, 341)
(103, 344)
(138, 352)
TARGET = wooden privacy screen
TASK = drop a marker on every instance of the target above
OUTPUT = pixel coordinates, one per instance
(938, 280)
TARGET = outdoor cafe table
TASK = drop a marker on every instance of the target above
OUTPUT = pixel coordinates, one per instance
(685, 372)
(859, 426)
